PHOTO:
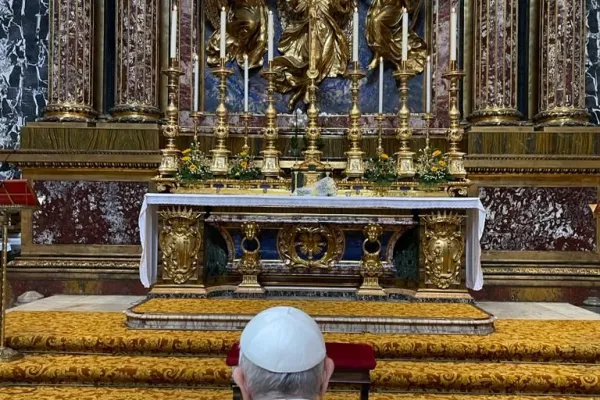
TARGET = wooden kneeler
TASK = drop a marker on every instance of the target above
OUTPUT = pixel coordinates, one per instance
(353, 364)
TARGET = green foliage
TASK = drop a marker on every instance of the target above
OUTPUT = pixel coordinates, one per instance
(381, 170)
(243, 168)
(194, 165)
(432, 167)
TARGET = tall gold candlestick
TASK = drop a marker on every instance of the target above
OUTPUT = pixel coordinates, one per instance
(313, 131)
(246, 119)
(220, 154)
(355, 167)
(380, 119)
(169, 165)
(428, 119)
(195, 115)
(270, 165)
(455, 157)
(405, 166)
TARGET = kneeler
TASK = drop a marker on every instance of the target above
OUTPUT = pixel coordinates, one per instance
(353, 363)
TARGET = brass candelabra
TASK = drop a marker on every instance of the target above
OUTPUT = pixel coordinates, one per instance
(270, 165)
(455, 157)
(169, 165)
(428, 118)
(405, 166)
(195, 116)
(380, 119)
(355, 167)
(220, 154)
(313, 131)
(246, 119)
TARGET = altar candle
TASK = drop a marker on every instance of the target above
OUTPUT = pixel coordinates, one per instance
(380, 85)
(173, 36)
(453, 35)
(245, 83)
(428, 86)
(223, 44)
(196, 81)
(270, 35)
(404, 34)
(355, 36)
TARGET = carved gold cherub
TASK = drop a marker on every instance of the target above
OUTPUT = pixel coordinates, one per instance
(384, 33)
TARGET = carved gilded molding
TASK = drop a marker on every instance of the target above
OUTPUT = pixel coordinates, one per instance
(180, 241)
(576, 271)
(311, 246)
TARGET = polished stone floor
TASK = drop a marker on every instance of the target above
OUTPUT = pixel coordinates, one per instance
(502, 310)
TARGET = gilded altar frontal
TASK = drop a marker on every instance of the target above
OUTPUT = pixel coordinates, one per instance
(384, 149)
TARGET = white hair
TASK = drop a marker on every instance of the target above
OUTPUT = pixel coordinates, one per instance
(266, 385)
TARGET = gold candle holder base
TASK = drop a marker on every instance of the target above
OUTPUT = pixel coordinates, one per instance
(455, 157)
(246, 119)
(405, 158)
(250, 264)
(270, 166)
(220, 154)
(355, 167)
(371, 267)
(380, 118)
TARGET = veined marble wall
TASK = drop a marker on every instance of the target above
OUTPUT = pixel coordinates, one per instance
(23, 66)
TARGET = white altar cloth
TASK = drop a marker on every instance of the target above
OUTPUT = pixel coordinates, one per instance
(148, 220)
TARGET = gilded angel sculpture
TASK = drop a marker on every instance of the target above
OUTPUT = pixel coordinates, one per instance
(330, 49)
(246, 31)
(384, 33)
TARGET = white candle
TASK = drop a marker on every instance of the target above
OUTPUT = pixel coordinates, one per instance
(173, 36)
(245, 83)
(428, 86)
(453, 35)
(380, 85)
(196, 81)
(223, 44)
(270, 35)
(404, 34)
(355, 37)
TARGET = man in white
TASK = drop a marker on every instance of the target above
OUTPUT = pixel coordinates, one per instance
(282, 356)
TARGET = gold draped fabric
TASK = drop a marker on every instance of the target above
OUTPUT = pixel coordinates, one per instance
(246, 32)
(330, 47)
(384, 33)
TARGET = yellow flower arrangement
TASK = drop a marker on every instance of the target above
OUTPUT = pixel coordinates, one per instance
(244, 168)
(436, 153)
(442, 163)
(187, 151)
(381, 170)
(244, 164)
(431, 168)
(193, 166)
(434, 169)
(185, 159)
(384, 156)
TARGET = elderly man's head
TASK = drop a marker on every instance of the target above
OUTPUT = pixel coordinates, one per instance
(282, 356)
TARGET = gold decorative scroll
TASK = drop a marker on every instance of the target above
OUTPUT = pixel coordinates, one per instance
(246, 31)
(311, 246)
(330, 49)
(384, 33)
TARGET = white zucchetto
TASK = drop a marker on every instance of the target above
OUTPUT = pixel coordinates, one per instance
(283, 340)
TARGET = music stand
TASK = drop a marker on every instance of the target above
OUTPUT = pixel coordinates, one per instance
(15, 195)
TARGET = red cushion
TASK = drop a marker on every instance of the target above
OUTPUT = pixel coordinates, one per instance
(346, 356)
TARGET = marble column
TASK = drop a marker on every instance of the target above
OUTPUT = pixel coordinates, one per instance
(562, 63)
(495, 62)
(137, 69)
(71, 61)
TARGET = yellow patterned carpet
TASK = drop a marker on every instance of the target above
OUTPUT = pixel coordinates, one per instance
(91, 393)
(312, 307)
(92, 332)
(52, 369)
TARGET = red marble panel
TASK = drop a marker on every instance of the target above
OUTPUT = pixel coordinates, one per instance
(542, 219)
(88, 212)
